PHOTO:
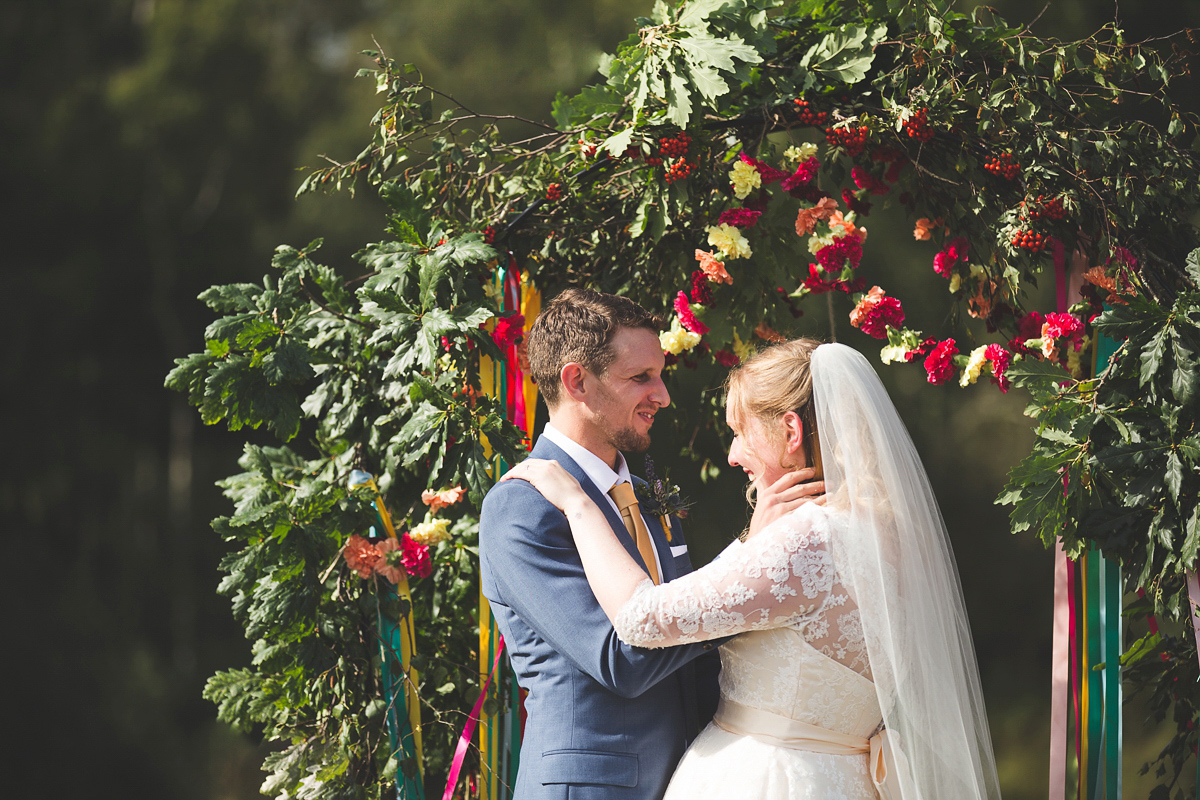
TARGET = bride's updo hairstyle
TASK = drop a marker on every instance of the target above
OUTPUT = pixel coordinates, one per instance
(772, 382)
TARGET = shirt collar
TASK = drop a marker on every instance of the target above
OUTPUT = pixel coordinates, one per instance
(601, 474)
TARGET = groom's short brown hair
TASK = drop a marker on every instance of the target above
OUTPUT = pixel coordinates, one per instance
(578, 326)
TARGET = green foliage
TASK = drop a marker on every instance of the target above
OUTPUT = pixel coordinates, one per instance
(380, 368)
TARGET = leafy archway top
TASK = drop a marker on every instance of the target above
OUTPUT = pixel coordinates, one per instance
(724, 170)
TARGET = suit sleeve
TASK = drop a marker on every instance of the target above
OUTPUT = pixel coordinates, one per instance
(526, 545)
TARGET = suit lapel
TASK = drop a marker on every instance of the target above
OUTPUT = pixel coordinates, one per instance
(549, 450)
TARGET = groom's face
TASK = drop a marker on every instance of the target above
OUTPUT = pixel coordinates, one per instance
(625, 399)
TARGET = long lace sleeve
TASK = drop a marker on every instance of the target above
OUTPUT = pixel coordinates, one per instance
(784, 576)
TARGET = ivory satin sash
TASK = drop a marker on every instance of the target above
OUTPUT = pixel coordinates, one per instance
(888, 766)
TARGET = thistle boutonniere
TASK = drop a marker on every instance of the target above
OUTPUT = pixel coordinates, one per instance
(661, 498)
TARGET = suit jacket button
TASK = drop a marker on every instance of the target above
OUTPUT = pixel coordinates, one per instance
(707, 646)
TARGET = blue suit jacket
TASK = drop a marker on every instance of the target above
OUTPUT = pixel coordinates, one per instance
(606, 720)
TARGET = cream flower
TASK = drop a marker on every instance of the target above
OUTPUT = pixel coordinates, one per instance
(815, 243)
(955, 282)
(801, 152)
(742, 350)
(676, 340)
(729, 241)
(975, 364)
(893, 353)
(745, 179)
(431, 531)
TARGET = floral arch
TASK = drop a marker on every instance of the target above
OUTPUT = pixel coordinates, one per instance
(731, 140)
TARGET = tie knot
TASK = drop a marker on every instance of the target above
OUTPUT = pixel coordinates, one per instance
(622, 495)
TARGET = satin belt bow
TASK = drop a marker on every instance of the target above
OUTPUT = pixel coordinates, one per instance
(889, 767)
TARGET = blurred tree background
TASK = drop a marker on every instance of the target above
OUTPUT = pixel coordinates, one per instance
(151, 148)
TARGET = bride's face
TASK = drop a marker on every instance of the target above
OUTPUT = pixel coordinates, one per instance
(758, 454)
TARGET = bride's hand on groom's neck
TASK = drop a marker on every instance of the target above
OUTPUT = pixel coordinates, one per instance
(789, 492)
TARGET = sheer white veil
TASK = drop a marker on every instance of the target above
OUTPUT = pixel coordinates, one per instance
(895, 559)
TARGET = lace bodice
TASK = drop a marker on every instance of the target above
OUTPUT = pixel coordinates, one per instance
(801, 653)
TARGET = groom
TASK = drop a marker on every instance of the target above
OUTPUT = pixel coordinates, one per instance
(605, 720)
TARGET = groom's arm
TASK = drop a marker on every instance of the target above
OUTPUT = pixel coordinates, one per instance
(527, 546)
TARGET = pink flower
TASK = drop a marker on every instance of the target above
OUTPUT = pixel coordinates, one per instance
(807, 219)
(712, 267)
(939, 365)
(385, 565)
(415, 557)
(739, 217)
(686, 318)
(765, 171)
(508, 330)
(1058, 326)
(804, 174)
(1000, 359)
(951, 254)
(439, 500)
(875, 312)
(361, 556)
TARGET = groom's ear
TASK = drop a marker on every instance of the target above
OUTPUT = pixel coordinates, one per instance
(571, 376)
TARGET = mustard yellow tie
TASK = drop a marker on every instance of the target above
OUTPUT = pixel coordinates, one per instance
(622, 494)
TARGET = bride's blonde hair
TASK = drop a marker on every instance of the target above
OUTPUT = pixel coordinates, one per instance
(772, 382)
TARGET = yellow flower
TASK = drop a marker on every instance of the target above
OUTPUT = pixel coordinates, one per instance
(802, 152)
(676, 340)
(955, 282)
(431, 531)
(975, 364)
(742, 350)
(729, 241)
(745, 179)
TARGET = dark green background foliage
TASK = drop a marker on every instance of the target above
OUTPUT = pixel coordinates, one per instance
(152, 149)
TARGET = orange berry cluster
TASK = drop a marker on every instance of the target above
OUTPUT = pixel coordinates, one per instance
(1052, 209)
(554, 192)
(1004, 166)
(1030, 240)
(806, 115)
(852, 139)
(678, 169)
(917, 126)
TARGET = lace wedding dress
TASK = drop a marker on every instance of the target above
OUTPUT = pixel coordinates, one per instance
(797, 666)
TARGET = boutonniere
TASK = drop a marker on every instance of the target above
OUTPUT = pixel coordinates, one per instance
(663, 499)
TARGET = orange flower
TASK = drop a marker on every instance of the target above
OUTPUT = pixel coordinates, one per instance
(836, 219)
(980, 306)
(924, 230)
(384, 566)
(766, 333)
(713, 268)
(807, 218)
(1099, 278)
(361, 556)
(439, 500)
(869, 301)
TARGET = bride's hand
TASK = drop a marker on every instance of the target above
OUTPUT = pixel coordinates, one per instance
(791, 491)
(548, 477)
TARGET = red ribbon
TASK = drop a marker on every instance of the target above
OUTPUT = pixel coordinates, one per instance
(464, 741)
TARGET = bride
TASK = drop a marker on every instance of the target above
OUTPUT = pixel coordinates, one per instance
(850, 672)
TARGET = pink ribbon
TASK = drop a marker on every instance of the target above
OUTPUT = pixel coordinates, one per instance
(464, 741)
(1060, 675)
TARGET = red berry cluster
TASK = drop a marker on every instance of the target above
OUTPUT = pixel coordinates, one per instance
(670, 147)
(679, 169)
(489, 234)
(1004, 166)
(1051, 209)
(554, 192)
(852, 139)
(917, 126)
(1030, 240)
(806, 115)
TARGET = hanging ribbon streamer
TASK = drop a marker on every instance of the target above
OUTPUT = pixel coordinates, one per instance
(397, 643)
(500, 734)
(464, 741)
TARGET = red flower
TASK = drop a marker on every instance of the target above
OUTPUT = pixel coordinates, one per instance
(1029, 327)
(833, 257)
(1058, 326)
(726, 358)
(1000, 359)
(766, 172)
(865, 180)
(508, 330)
(739, 217)
(920, 351)
(415, 557)
(875, 312)
(939, 365)
(860, 207)
(803, 175)
(686, 318)
(701, 294)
